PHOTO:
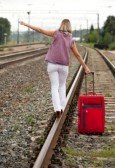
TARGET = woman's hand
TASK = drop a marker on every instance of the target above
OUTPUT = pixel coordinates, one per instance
(22, 23)
(87, 70)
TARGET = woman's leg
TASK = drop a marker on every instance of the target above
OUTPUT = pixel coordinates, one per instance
(63, 73)
(54, 79)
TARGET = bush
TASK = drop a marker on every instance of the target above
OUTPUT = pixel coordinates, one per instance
(101, 46)
(107, 38)
(112, 46)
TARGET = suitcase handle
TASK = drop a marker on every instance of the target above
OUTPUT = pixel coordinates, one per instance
(91, 73)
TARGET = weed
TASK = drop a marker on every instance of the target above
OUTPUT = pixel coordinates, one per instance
(28, 88)
(108, 95)
(16, 126)
(30, 120)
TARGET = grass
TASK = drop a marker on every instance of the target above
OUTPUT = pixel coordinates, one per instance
(40, 140)
(98, 163)
(70, 161)
(93, 158)
(16, 126)
(88, 44)
(28, 88)
(30, 120)
(111, 127)
(108, 95)
(105, 153)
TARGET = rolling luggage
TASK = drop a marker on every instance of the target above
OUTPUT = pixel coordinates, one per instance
(91, 112)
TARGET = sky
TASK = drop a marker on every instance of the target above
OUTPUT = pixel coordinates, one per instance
(49, 13)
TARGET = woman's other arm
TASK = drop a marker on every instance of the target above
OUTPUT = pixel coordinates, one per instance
(38, 29)
(78, 56)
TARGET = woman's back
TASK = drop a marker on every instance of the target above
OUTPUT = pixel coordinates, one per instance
(60, 48)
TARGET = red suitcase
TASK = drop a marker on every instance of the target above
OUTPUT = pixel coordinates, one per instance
(91, 112)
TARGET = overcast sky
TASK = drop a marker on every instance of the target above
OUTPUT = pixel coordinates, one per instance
(49, 13)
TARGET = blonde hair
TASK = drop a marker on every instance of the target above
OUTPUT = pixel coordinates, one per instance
(65, 26)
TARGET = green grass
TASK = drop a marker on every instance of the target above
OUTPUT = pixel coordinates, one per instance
(111, 127)
(112, 46)
(16, 126)
(28, 88)
(88, 44)
(107, 152)
(108, 95)
(30, 120)
(70, 161)
(92, 158)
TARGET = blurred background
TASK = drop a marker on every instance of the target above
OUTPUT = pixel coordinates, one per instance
(92, 21)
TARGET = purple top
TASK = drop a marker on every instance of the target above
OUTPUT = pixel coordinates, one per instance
(58, 52)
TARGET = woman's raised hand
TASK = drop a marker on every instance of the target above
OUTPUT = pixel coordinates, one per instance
(22, 23)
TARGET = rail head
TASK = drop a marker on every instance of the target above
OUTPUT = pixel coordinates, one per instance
(43, 159)
(111, 66)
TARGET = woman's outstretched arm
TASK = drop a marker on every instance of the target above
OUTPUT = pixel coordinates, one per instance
(78, 56)
(38, 29)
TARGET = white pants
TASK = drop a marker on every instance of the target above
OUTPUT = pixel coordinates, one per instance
(58, 75)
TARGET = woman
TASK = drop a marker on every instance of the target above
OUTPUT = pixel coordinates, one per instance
(58, 60)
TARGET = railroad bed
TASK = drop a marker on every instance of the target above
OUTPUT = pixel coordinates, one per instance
(110, 56)
(25, 109)
(15, 49)
(90, 151)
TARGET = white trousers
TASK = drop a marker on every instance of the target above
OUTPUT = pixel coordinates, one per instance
(58, 75)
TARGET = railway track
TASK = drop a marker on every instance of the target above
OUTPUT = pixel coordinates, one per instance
(21, 56)
(71, 148)
(25, 110)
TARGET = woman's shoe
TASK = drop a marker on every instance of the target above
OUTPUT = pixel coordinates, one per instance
(61, 111)
(58, 114)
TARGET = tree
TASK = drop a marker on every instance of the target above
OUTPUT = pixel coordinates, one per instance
(108, 31)
(4, 29)
(93, 36)
(107, 38)
(109, 25)
(91, 29)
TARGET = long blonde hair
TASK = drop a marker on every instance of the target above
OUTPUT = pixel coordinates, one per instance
(65, 26)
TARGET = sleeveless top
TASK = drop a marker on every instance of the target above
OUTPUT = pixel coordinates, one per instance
(59, 51)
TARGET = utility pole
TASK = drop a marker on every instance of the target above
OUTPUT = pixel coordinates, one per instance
(80, 33)
(98, 27)
(87, 32)
(18, 40)
(87, 26)
(28, 27)
(5, 34)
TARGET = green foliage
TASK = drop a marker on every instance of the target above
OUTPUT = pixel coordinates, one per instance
(91, 29)
(93, 37)
(4, 28)
(28, 88)
(106, 35)
(109, 25)
(16, 126)
(108, 32)
(107, 38)
(107, 152)
(30, 120)
(112, 46)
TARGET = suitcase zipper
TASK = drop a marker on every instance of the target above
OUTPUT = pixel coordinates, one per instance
(92, 106)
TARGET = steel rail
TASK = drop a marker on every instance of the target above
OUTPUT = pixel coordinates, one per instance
(44, 157)
(108, 62)
(4, 64)
(13, 55)
(19, 45)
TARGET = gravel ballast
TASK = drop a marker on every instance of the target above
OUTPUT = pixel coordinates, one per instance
(25, 108)
(90, 151)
